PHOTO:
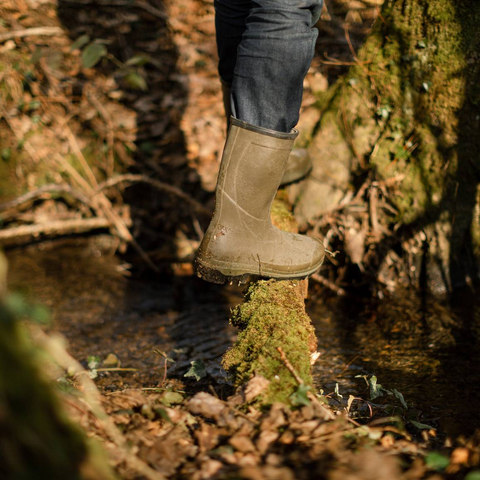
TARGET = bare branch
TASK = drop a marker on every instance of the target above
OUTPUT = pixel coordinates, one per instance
(132, 178)
(39, 192)
(28, 32)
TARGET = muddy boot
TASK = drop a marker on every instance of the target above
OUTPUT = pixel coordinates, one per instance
(299, 164)
(241, 240)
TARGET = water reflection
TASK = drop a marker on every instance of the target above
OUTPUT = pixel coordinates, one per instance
(416, 350)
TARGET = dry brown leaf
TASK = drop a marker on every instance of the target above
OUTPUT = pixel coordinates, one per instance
(205, 404)
(255, 387)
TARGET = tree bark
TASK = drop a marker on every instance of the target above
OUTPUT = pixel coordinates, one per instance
(407, 118)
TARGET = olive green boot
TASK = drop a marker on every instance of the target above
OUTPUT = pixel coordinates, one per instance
(241, 240)
(299, 164)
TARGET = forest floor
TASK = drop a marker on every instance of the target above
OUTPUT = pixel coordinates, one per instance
(132, 87)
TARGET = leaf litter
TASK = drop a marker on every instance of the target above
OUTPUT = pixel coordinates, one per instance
(177, 432)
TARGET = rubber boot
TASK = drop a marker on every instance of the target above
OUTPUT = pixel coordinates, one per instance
(299, 164)
(241, 240)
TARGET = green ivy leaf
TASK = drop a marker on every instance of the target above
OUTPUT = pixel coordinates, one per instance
(197, 370)
(138, 60)
(400, 397)
(92, 54)
(421, 426)
(162, 413)
(375, 388)
(300, 397)
(80, 42)
(135, 81)
(93, 362)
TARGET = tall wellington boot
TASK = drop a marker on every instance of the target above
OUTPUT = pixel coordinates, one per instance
(241, 240)
(299, 164)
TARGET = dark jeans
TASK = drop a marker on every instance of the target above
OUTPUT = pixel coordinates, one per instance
(265, 48)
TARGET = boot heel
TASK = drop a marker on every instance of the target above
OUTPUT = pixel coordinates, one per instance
(215, 276)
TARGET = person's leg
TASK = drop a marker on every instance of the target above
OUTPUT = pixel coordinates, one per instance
(274, 54)
(230, 23)
(273, 57)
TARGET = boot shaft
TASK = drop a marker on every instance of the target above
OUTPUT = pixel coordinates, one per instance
(252, 168)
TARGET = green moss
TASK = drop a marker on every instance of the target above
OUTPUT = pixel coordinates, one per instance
(272, 316)
(281, 215)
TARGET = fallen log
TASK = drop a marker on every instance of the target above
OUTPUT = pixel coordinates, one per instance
(28, 233)
(37, 438)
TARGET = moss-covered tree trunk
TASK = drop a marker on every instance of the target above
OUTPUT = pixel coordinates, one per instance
(407, 117)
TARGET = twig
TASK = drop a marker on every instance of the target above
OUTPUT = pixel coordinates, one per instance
(92, 399)
(113, 369)
(72, 140)
(104, 208)
(26, 233)
(28, 32)
(110, 132)
(39, 192)
(373, 208)
(289, 366)
(328, 415)
(133, 178)
(327, 283)
(350, 46)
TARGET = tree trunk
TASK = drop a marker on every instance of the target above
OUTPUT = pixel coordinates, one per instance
(407, 119)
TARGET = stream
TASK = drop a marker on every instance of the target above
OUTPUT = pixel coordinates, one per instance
(423, 349)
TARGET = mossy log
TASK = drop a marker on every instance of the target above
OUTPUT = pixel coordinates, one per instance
(37, 440)
(273, 315)
(407, 115)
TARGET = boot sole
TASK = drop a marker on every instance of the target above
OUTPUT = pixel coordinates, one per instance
(212, 274)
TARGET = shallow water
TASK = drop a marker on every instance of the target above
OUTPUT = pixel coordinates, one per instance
(420, 348)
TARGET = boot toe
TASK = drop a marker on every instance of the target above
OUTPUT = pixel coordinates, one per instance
(318, 252)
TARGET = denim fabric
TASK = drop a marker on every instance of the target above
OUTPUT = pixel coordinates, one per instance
(265, 48)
